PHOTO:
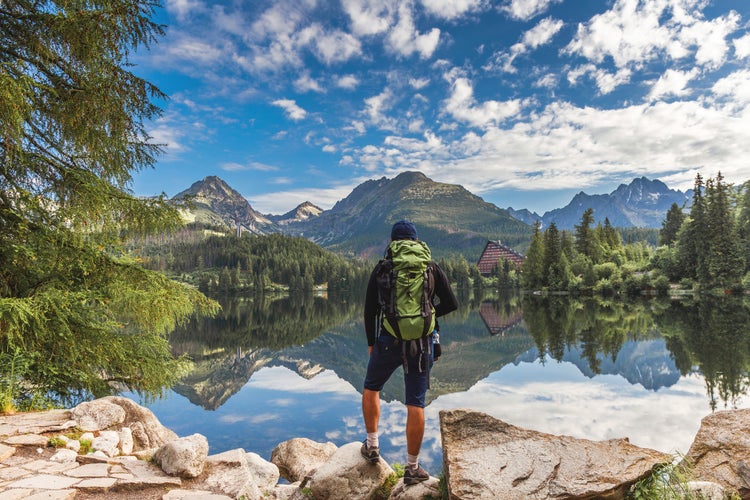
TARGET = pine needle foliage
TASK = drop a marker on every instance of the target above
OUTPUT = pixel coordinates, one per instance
(73, 120)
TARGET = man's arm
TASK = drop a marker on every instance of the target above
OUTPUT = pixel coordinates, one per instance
(444, 292)
(371, 310)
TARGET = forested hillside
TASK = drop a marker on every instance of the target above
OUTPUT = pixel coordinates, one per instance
(253, 262)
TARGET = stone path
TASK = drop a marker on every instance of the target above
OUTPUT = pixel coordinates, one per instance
(32, 470)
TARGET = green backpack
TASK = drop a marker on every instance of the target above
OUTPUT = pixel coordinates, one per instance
(406, 286)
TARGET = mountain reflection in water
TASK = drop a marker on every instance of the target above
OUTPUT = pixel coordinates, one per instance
(269, 370)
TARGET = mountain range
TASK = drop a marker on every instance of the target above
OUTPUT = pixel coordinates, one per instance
(449, 217)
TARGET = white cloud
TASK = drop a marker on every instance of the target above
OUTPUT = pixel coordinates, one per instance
(564, 146)
(630, 33)
(452, 9)
(607, 82)
(736, 88)
(293, 111)
(282, 201)
(329, 46)
(376, 106)
(405, 40)
(537, 36)
(169, 136)
(183, 9)
(305, 83)
(633, 33)
(349, 82)
(462, 106)
(419, 83)
(524, 10)
(711, 39)
(672, 82)
(542, 33)
(185, 48)
(742, 47)
(370, 17)
(253, 165)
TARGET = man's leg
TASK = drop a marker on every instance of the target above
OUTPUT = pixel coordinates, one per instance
(371, 410)
(414, 429)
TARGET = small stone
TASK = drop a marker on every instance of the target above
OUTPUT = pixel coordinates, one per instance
(107, 442)
(126, 441)
(183, 457)
(74, 445)
(64, 455)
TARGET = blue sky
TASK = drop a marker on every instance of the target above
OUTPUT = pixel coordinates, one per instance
(523, 102)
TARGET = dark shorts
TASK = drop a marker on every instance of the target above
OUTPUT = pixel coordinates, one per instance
(387, 357)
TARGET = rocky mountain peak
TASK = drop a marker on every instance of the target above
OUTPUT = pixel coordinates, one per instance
(304, 211)
(215, 202)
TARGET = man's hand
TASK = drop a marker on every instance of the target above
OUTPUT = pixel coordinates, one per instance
(369, 350)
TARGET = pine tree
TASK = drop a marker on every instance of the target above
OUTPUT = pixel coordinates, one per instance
(691, 247)
(724, 259)
(743, 226)
(671, 225)
(533, 265)
(585, 238)
(72, 132)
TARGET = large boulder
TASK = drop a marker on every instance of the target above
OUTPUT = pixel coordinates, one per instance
(184, 457)
(98, 415)
(299, 457)
(265, 473)
(484, 457)
(347, 475)
(720, 452)
(148, 433)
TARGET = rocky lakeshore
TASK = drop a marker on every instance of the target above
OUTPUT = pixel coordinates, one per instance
(115, 448)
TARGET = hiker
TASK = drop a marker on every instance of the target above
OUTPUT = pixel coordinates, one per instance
(400, 323)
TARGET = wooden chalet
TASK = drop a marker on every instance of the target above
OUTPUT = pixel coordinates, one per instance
(499, 321)
(493, 252)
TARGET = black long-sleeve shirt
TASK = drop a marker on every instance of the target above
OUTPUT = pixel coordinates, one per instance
(447, 301)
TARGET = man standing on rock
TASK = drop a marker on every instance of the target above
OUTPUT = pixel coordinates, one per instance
(401, 327)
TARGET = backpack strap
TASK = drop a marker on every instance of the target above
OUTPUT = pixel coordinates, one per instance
(428, 291)
(386, 277)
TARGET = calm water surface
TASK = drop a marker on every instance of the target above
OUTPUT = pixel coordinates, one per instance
(270, 370)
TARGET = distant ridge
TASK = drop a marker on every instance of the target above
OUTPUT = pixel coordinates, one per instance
(642, 203)
(448, 217)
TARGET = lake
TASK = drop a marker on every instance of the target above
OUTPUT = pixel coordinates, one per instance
(267, 370)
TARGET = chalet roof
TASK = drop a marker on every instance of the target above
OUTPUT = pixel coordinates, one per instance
(493, 252)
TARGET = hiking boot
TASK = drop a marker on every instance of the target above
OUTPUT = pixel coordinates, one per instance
(414, 476)
(371, 454)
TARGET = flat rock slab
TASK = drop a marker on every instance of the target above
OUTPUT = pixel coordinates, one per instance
(45, 482)
(26, 440)
(484, 457)
(36, 422)
(22, 494)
